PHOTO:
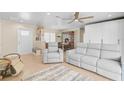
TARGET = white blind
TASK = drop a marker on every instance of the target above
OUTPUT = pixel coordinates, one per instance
(49, 37)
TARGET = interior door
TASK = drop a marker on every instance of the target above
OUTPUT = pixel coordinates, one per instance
(25, 41)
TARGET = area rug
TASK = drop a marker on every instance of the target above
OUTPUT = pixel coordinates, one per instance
(57, 72)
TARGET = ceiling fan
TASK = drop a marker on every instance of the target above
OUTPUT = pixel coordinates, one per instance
(76, 18)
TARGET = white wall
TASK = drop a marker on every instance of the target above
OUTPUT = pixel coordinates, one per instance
(9, 35)
(93, 33)
(106, 31)
(76, 37)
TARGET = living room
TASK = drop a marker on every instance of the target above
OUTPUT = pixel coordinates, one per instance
(89, 44)
(65, 46)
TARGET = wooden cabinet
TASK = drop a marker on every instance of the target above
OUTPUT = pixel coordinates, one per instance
(68, 40)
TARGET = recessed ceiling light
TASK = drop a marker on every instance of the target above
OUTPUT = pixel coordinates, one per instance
(109, 15)
(25, 15)
(48, 13)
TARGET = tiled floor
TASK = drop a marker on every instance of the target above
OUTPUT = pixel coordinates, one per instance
(34, 64)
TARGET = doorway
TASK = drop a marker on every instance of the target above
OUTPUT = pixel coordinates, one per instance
(25, 41)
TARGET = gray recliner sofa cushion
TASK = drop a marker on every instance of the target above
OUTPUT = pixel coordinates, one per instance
(110, 51)
(81, 48)
(90, 60)
(109, 65)
(75, 57)
(93, 50)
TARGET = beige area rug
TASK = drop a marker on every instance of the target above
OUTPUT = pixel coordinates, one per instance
(57, 72)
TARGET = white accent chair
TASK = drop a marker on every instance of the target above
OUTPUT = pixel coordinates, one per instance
(109, 64)
(89, 61)
(53, 54)
(74, 55)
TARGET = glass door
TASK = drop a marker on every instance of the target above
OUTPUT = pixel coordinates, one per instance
(25, 41)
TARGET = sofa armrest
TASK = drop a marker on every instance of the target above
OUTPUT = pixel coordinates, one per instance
(44, 55)
(60, 51)
(45, 51)
(61, 54)
(13, 56)
(72, 51)
(122, 69)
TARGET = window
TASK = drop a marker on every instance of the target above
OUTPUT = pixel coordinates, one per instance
(24, 33)
(49, 37)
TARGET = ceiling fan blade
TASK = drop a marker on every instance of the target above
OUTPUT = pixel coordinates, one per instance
(86, 17)
(63, 18)
(81, 21)
(70, 22)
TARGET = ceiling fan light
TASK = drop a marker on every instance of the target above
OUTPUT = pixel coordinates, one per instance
(76, 20)
(48, 13)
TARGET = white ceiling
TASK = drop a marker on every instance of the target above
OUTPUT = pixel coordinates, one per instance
(51, 22)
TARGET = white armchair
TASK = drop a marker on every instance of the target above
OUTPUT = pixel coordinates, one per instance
(53, 54)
